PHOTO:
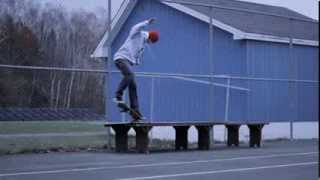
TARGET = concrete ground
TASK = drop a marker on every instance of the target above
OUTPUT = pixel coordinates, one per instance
(282, 160)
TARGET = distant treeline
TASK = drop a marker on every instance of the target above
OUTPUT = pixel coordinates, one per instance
(33, 34)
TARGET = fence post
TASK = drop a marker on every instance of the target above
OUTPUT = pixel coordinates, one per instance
(211, 94)
(151, 105)
(109, 58)
(226, 113)
(293, 75)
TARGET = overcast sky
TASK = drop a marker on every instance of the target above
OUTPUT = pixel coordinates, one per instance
(306, 7)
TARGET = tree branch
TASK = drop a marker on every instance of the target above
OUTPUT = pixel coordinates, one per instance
(3, 39)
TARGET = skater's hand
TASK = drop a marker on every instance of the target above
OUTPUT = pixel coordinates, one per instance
(152, 20)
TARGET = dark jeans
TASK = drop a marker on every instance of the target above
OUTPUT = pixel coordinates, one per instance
(128, 80)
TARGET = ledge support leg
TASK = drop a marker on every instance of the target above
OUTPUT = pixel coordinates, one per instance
(204, 137)
(181, 141)
(255, 134)
(142, 138)
(121, 137)
(233, 135)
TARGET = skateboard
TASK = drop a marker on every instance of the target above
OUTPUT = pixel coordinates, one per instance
(134, 114)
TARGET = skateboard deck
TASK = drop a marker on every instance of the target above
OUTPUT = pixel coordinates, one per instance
(134, 114)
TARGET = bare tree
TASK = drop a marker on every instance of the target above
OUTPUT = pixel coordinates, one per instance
(32, 34)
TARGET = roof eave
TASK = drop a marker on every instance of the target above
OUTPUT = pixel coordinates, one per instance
(100, 51)
(278, 39)
(118, 21)
(237, 33)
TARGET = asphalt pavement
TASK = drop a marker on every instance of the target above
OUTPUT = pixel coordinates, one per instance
(282, 160)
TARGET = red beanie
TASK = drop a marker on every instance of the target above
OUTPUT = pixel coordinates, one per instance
(153, 36)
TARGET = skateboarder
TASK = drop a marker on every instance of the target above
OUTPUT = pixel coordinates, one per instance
(128, 55)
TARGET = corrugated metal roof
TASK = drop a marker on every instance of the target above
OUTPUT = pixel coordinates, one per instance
(245, 16)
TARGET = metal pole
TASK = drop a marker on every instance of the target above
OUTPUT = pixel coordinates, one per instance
(108, 75)
(291, 130)
(151, 106)
(226, 113)
(153, 74)
(211, 94)
(152, 99)
(292, 74)
(123, 114)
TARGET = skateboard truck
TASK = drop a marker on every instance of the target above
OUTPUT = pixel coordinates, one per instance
(136, 116)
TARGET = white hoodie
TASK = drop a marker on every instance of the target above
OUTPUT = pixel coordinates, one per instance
(133, 47)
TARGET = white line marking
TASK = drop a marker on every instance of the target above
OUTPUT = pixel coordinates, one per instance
(222, 171)
(152, 164)
(63, 166)
(70, 134)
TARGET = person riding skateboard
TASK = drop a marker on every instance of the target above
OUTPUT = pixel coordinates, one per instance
(130, 54)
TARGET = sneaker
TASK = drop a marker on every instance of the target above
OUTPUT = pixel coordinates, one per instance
(118, 100)
(141, 116)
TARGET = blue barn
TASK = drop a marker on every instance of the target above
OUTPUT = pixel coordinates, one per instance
(220, 62)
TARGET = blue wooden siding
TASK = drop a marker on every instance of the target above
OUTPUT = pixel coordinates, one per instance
(183, 49)
(282, 101)
(180, 49)
(307, 93)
